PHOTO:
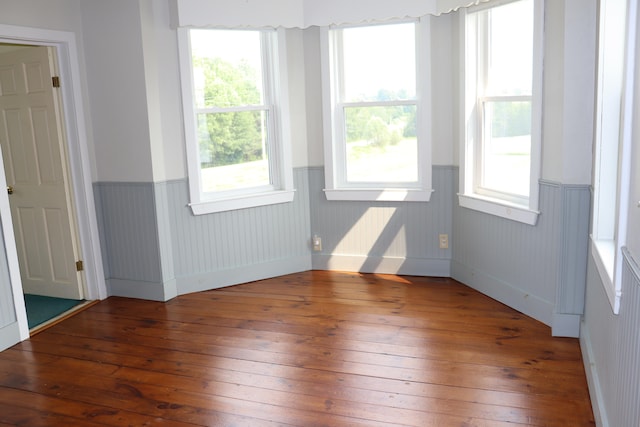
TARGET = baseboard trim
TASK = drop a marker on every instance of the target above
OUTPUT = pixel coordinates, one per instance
(9, 335)
(244, 274)
(566, 325)
(154, 291)
(383, 265)
(504, 292)
(593, 381)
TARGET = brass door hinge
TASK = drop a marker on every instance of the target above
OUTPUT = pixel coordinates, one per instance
(79, 266)
(56, 81)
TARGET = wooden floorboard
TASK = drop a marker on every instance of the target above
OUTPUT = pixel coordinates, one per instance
(307, 349)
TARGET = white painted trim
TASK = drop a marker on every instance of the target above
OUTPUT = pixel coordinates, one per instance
(280, 157)
(10, 335)
(304, 13)
(566, 325)
(383, 265)
(336, 185)
(241, 202)
(609, 230)
(499, 208)
(603, 253)
(469, 197)
(383, 194)
(154, 291)
(77, 144)
(12, 258)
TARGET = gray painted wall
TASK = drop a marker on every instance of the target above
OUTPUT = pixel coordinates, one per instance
(128, 223)
(539, 270)
(610, 348)
(232, 247)
(384, 237)
(155, 248)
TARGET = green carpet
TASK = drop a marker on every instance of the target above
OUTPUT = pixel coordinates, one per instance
(40, 309)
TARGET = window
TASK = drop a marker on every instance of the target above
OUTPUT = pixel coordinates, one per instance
(376, 104)
(236, 109)
(613, 143)
(502, 109)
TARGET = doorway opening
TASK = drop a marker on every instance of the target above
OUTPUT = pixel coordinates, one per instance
(62, 46)
(36, 169)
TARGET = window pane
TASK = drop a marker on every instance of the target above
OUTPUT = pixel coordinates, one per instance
(227, 68)
(381, 144)
(507, 147)
(379, 62)
(510, 61)
(233, 150)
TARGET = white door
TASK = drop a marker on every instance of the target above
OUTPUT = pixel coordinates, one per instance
(32, 140)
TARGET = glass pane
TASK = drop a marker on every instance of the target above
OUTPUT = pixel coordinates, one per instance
(227, 68)
(507, 147)
(379, 62)
(381, 144)
(233, 150)
(510, 49)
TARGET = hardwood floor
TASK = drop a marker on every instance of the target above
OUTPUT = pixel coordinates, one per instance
(309, 349)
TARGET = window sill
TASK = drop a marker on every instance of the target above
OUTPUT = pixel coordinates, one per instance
(242, 202)
(499, 208)
(380, 195)
(603, 252)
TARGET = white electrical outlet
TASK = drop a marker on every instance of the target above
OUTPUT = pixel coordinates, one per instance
(317, 243)
(444, 241)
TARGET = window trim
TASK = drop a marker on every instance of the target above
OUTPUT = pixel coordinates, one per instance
(280, 164)
(335, 168)
(609, 226)
(492, 202)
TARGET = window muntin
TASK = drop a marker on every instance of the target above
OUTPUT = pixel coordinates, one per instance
(235, 103)
(502, 110)
(378, 114)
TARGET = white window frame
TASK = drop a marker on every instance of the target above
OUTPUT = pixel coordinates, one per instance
(277, 99)
(613, 140)
(336, 185)
(521, 209)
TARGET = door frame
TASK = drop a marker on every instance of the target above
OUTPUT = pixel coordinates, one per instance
(73, 110)
(13, 265)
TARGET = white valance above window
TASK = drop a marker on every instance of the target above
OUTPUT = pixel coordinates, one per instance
(303, 13)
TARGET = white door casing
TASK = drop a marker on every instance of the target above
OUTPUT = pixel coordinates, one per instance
(13, 316)
(32, 139)
(80, 167)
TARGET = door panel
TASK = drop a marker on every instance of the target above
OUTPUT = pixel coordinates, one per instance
(35, 165)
